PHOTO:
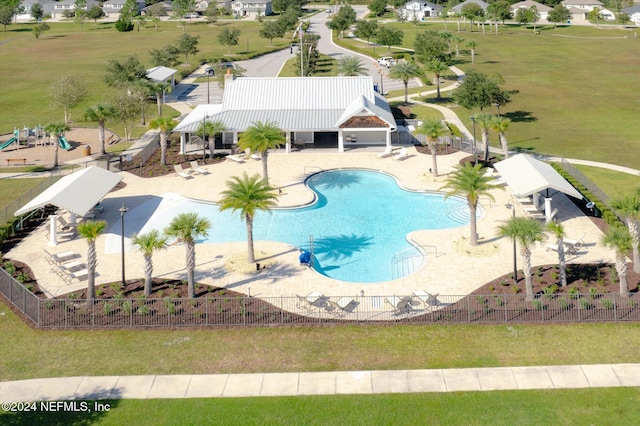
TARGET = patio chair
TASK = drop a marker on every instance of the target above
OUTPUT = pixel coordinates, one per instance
(256, 156)
(76, 275)
(488, 172)
(340, 306)
(198, 169)
(388, 151)
(400, 305)
(429, 301)
(237, 158)
(59, 257)
(401, 155)
(180, 172)
(310, 302)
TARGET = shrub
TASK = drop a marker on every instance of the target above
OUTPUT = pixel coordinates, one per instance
(585, 304)
(564, 304)
(144, 310)
(22, 277)
(593, 292)
(537, 304)
(573, 292)
(551, 289)
(9, 267)
(608, 303)
(107, 308)
(124, 25)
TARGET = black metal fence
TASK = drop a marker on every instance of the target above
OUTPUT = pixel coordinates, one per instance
(272, 311)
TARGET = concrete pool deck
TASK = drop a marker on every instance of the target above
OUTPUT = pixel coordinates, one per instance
(455, 269)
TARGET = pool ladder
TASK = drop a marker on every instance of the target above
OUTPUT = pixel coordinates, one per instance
(404, 263)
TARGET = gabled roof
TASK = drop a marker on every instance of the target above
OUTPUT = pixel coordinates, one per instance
(193, 121)
(631, 10)
(567, 3)
(160, 73)
(362, 105)
(458, 7)
(76, 193)
(526, 175)
(528, 4)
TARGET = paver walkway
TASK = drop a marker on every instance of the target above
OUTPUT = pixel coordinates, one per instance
(321, 383)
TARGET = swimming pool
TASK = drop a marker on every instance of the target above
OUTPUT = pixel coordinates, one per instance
(358, 224)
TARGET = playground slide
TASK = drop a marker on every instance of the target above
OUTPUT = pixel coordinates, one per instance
(7, 143)
(63, 143)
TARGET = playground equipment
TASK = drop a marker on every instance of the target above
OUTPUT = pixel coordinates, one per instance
(9, 142)
(63, 143)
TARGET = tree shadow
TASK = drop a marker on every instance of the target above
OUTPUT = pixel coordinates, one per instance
(340, 246)
(334, 181)
(520, 116)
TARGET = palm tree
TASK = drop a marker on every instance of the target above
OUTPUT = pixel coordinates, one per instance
(629, 208)
(100, 113)
(91, 230)
(470, 181)
(557, 229)
(248, 195)
(526, 232)
(437, 67)
(500, 125)
(486, 121)
(261, 137)
(165, 124)
(432, 129)
(472, 45)
(57, 129)
(186, 228)
(211, 129)
(147, 244)
(619, 238)
(457, 40)
(405, 71)
(351, 66)
(159, 89)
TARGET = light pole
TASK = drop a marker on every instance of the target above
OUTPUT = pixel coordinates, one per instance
(204, 132)
(512, 207)
(381, 81)
(122, 210)
(475, 154)
(210, 72)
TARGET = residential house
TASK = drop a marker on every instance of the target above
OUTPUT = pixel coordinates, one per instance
(112, 8)
(543, 10)
(251, 8)
(580, 9)
(167, 6)
(457, 9)
(50, 8)
(634, 13)
(202, 5)
(418, 10)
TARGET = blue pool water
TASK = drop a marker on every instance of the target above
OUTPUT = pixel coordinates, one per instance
(359, 221)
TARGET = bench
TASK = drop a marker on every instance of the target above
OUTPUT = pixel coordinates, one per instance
(16, 160)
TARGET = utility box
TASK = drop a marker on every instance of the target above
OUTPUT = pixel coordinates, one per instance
(86, 150)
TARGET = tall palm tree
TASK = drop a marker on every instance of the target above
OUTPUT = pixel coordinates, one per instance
(100, 113)
(500, 125)
(187, 228)
(147, 244)
(472, 45)
(557, 229)
(526, 232)
(619, 238)
(261, 137)
(211, 129)
(470, 181)
(432, 129)
(351, 66)
(248, 195)
(437, 67)
(57, 129)
(629, 208)
(159, 89)
(405, 71)
(485, 120)
(91, 230)
(457, 40)
(165, 125)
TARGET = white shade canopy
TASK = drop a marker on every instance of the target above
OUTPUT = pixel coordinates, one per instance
(525, 176)
(77, 193)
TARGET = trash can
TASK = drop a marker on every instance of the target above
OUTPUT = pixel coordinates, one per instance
(86, 150)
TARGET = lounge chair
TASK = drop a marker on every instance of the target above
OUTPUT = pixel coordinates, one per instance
(388, 151)
(400, 305)
(256, 156)
(310, 302)
(401, 155)
(429, 301)
(497, 182)
(488, 172)
(59, 257)
(198, 169)
(340, 306)
(237, 158)
(180, 172)
(76, 275)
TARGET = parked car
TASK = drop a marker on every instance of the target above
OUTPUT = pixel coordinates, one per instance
(386, 61)
(192, 15)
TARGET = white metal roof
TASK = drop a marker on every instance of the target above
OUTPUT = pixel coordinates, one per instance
(76, 193)
(194, 119)
(525, 176)
(160, 73)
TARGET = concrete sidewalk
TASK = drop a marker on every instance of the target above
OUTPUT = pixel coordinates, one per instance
(321, 383)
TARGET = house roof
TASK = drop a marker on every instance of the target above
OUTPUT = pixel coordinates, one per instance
(76, 193)
(194, 119)
(526, 175)
(528, 4)
(458, 7)
(633, 9)
(567, 3)
(424, 4)
(160, 73)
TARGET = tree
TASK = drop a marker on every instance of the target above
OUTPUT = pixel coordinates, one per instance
(471, 11)
(261, 137)
(159, 88)
(127, 111)
(156, 21)
(500, 125)
(342, 20)
(457, 41)
(526, 232)
(121, 74)
(248, 195)
(405, 71)
(271, 30)
(470, 181)
(366, 29)
(188, 45)
(80, 8)
(91, 230)
(95, 12)
(523, 16)
(624, 18)
(147, 244)
(211, 129)
(165, 125)
(351, 66)
(378, 7)
(36, 11)
(389, 37)
(156, 10)
(486, 121)
(472, 45)
(629, 208)
(100, 113)
(67, 93)
(39, 29)
(7, 12)
(187, 228)
(479, 91)
(594, 16)
(140, 91)
(432, 129)
(309, 55)
(619, 239)
(500, 10)
(437, 67)
(559, 13)
(557, 229)
(166, 56)
(430, 46)
(56, 129)
(183, 7)
(229, 37)
(140, 21)
(212, 12)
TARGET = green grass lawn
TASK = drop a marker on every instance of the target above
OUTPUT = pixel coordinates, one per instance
(11, 188)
